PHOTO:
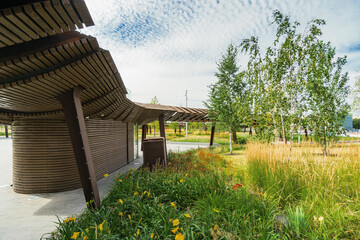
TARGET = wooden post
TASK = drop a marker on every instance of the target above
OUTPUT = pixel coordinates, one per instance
(6, 131)
(143, 136)
(136, 140)
(77, 130)
(127, 143)
(212, 135)
(162, 133)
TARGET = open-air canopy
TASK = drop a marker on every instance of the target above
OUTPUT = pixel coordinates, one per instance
(66, 100)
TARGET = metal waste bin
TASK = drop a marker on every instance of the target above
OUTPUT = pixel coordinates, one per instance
(154, 151)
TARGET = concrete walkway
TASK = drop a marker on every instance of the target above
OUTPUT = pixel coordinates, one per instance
(29, 216)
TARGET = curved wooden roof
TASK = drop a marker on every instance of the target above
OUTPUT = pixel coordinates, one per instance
(42, 57)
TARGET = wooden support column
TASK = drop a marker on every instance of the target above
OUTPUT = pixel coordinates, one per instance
(162, 134)
(162, 126)
(143, 136)
(127, 143)
(6, 131)
(77, 130)
(212, 135)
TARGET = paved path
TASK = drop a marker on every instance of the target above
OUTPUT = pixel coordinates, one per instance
(29, 216)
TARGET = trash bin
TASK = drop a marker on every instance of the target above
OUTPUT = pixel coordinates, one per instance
(154, 151)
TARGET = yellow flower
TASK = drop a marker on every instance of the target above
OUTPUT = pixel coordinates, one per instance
(187, 215)
(87, 230)
(169, 181)
(216, 227)
(152, 235)
(129, 216)
(144, 192)
(136, 193)
(121, 201)
(69, 219)
(175, 230)
(149, 193)
(173, 204)
(195, 165)
(181, 180)
(120, 213)
(106, 175)
(215, 210)
(101, 226)
(160, 204)
(170, 220)
(179, 236)
(75, 235)
(176, 222)
(85, 238)
(120, 180)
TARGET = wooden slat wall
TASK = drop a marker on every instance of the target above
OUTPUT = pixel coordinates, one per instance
(108, 145)
(43, 158)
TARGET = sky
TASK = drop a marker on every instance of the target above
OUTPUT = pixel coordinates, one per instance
(163, 47)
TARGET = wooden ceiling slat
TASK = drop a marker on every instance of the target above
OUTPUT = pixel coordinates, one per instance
(70, 10)
(13, 28)
(22, 65)
(8, 37)
(47, 18)
(21, 25)
(57, 55)
(37, 19)
(28, 62)
(53, 13)
(17, 69)
(21, 15)
(37, 61)
(83, 12)
(60, 9)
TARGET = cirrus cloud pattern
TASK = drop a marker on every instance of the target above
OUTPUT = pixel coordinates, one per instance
(164, 47)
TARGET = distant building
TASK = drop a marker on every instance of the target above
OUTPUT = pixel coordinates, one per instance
(348, 123)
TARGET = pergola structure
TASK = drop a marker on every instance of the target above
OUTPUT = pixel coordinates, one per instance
(65, 99)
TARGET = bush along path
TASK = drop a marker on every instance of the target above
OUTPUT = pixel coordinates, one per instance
(195, 197)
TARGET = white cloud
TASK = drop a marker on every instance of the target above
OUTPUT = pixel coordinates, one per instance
(165, 47)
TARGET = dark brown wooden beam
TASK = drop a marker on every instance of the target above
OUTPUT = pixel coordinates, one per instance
(162, 134)
(6, 131)
(143, 136)
(212, 135)
(77, 130)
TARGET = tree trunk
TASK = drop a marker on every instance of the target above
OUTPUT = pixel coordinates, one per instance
(179, 128)
(175, 130)
(230, 142)
(306, 134)
(244, 129)
(234, 137)
(149, 129)
(250, 131)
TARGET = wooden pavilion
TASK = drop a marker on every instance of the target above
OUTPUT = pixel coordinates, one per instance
(65, 99)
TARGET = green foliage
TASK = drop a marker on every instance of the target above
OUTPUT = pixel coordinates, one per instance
(296, 83)
(356, 123)
(226, 92)
(154, 200)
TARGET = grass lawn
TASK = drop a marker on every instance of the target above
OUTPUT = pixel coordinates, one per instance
(261, 192)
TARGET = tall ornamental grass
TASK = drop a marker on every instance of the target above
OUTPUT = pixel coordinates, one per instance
(326, 187)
